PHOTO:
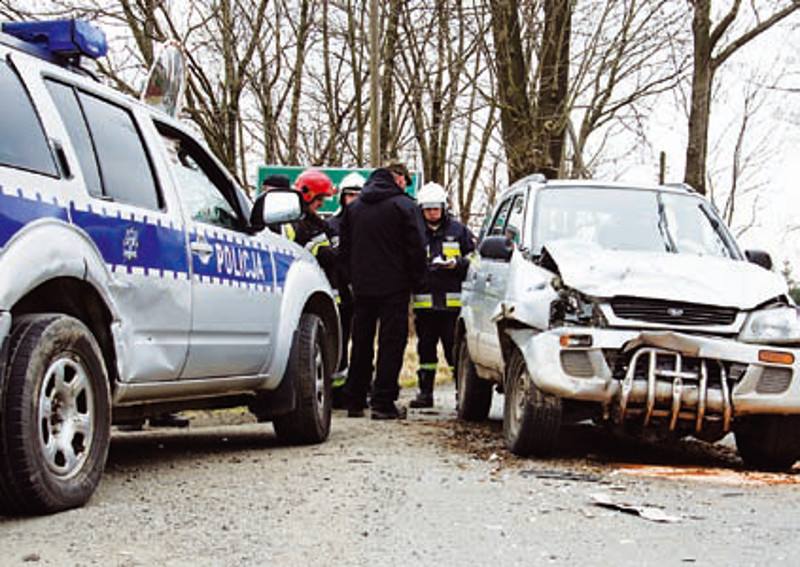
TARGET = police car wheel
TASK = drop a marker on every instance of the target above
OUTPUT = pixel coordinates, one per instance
(310, 422)
(56, 417)
(768, 442)
(531, 418)
(473, 394)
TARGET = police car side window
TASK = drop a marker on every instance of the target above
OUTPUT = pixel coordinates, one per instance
(203, 190)
(64, 97)
(124, 163)
(23, 143)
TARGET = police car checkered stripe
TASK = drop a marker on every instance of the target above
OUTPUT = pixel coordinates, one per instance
(149, 245)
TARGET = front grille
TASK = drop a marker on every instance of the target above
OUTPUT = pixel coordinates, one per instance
(672, 312)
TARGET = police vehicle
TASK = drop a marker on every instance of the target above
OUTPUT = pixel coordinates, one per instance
(136, 278)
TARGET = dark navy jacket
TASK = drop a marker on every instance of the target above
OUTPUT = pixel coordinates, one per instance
(381, 242)
(441, 287)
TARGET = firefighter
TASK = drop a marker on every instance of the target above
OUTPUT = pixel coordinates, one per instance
(349, 189)
(437, 304)
(312, 232)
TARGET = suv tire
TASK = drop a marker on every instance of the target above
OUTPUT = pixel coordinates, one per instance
(55, 422)
(768, 442)
(531, 418)
(473, 395)
(310, 421)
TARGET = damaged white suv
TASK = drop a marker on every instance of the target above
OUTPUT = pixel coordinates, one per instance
(635, 307)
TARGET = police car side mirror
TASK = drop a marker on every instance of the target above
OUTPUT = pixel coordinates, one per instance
(277, 206)
(496, 248)
(760, 258)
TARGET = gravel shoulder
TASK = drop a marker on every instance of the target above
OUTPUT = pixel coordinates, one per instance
(427, 490)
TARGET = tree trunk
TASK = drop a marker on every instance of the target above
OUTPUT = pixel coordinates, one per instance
(297, 77)
(552, 108)
(388, 138)
(515, 107)
(700, 111)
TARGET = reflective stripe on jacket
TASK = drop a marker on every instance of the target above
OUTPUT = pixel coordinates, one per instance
(449, 242)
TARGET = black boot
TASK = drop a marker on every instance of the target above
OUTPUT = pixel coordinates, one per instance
(425, 397)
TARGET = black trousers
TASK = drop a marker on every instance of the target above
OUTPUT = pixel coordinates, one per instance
(390, 315)
(346, 319)
(434, 326)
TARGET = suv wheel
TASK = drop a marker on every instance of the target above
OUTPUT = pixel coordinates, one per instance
(310, 422)
(531, 418)
(768, 442)
(56, 419)
(473, 394)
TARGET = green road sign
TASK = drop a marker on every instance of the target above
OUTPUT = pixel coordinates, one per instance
(335, 173)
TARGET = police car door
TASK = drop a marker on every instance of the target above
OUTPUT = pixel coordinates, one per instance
(119, 206)
(231, 271)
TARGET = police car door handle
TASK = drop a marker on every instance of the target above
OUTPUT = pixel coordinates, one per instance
(488, 278)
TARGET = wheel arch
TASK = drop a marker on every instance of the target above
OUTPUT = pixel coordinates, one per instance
(322, 305)
(76, 298)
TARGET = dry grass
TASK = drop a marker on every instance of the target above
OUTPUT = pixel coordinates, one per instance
(408, 374)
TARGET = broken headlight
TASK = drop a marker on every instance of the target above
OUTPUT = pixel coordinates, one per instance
(775, 325)
(574, 308)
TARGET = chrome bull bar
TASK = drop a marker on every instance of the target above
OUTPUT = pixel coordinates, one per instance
(673, 390)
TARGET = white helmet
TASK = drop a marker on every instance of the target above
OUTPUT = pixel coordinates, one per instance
(352, 183)
(432, 196)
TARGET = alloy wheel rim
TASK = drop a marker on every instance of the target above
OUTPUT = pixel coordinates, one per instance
(65, 417)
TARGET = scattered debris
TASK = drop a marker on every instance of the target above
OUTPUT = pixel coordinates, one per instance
(647, 512)
(557, 474)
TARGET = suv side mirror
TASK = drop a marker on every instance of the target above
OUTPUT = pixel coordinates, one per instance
(276, 206)
(759, 257)
(496, 248)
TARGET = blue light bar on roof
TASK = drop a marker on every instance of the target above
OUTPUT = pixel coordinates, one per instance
(61, 37)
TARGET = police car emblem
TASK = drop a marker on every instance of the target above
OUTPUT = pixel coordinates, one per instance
(130, 244)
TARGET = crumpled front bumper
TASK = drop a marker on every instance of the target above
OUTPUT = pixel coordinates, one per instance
(688, 374)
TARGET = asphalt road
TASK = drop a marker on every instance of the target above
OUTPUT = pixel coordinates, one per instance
(425, 491)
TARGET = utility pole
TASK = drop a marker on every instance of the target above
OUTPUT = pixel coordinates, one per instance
(374, 84)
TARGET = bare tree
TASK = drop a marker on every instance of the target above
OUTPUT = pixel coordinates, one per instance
(713, 46)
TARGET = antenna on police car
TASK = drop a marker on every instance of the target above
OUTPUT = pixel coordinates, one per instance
(166, 80)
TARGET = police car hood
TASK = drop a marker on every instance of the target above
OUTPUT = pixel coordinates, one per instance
(677, 277)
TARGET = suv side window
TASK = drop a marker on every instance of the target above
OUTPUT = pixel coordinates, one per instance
(110, 149)
(124, 163)
(515, 218)
(205, 192)
(499, 222)
(71, 113)
(23, 143)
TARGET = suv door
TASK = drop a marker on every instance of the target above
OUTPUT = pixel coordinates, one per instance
(233, 296)
(508, 223)
(120, 207)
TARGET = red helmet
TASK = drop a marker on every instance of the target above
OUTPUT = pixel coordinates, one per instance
(313, 182)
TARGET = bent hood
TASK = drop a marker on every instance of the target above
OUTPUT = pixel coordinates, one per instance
(675, 277)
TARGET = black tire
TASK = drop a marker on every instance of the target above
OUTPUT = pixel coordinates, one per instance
(531, 418)
(55, 419)
(768, 442)
(473, 394)
(310, 421)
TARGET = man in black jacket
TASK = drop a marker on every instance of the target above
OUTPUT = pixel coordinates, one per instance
(383, 252)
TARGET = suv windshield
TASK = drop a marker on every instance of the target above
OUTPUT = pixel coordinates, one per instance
(633, 220)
